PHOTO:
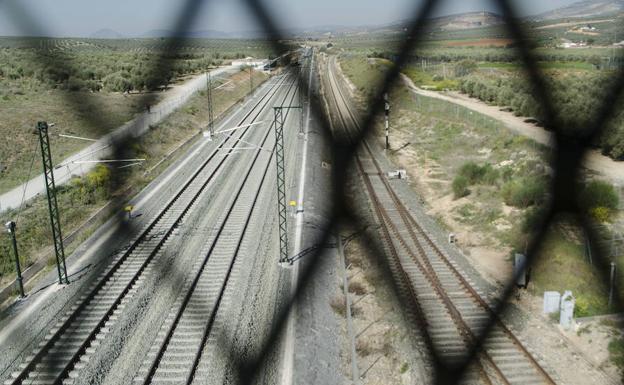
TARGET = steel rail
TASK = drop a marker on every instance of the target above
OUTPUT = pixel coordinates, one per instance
(28, 368)
(389, 227)
(474, 294)
(153, 367)
(426, 267)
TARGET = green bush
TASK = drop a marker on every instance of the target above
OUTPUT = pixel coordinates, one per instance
(460, 187)
(582, 307)
(476, 174)
(616, 354)
(465, 67)
(532, 219)
(599, 194)
(525, 192)
(600, 214)
(94, 186)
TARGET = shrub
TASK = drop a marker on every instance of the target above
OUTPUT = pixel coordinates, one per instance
(339, 305)
(599, 194)
(600, 214)
(524, 193)
(357, 288)
(465, 67)
(476, 174)
(616, 354)
(532, 219)
(460, 187)
(471, 171)
(363, 347)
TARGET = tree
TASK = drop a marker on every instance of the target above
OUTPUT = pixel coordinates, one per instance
(460, 187)
(465, 67)
(599, 194)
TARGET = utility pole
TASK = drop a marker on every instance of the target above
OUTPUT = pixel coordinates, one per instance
(282, 212)
(48, 172)
(11, 228)
(611, 284)
(387, 119)
(251, 80)
(301, 104)
(210, 108)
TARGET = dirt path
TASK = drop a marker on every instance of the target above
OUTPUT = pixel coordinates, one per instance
(579, 22)
(596, 162)
(75, 164)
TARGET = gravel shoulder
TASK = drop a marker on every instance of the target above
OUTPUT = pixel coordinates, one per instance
(317, 334)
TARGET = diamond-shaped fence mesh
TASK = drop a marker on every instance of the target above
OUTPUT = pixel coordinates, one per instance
(569, 153)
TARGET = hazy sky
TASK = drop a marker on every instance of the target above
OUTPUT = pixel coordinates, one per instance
(134, 17)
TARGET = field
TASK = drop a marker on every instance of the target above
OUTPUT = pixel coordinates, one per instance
(496, 76)
(71, 81)
(479, 43)
(22, 110)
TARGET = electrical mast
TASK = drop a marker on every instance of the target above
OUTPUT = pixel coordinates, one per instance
(210, 108)
(48, 172)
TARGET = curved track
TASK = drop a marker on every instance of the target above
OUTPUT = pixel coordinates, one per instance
(68, 345)
(450, 312)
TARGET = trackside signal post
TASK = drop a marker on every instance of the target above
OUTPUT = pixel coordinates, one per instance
(282, 211)
(250, 80)
(48, 173)
(11, 229)
(387, 119)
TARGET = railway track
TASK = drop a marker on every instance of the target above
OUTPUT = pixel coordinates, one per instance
(450, 312)
(67, 346)
(177, 354)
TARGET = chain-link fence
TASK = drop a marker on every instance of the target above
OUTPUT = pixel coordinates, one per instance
(570, 150)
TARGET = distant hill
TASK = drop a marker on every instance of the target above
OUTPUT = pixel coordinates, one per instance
(106, 33)
(463, 21)
(210, 34)
(584, 9)
(204, 34)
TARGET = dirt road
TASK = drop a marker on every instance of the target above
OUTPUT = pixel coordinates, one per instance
(594, 161)
(77, 164)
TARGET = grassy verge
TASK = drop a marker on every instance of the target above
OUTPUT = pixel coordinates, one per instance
(564, 265)
(83, 196)
(501, 187)
(21, 112)
(364, 73)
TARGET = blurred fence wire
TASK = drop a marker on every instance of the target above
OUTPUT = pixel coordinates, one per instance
(566, 163)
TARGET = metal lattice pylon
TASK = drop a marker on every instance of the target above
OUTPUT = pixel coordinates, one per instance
(210, 108)
(48, 172)
(278, 123)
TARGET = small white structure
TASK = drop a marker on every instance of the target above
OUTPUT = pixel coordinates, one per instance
(552, 302)
(589, 28)
(566, 317)
(452, 238)
(398, 174)
(571, 44)
(251, 62)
